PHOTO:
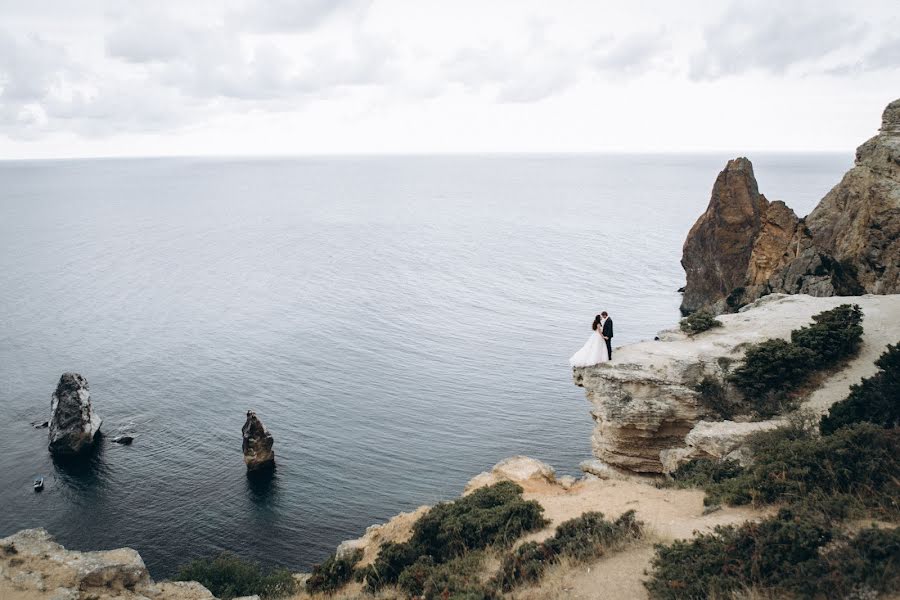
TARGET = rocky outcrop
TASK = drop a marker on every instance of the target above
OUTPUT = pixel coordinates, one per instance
(520, 469)
(744, 247)
(647, 412)
(33, 566)
(73, 422)
(257, 445)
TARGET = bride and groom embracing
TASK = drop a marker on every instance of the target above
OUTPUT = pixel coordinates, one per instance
(598, 348)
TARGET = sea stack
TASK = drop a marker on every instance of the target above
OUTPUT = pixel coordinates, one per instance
(257, 446)
(73, 422)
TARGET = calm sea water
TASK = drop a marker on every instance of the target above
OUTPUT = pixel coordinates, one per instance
(399, 324)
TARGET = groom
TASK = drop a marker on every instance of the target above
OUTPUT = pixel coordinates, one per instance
(604, 325)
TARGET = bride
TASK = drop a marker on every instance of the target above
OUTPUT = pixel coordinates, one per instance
(593, 352)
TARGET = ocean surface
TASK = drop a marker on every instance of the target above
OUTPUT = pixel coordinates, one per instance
(399, 324)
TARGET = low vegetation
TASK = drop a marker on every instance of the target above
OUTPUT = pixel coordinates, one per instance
(699, 322)
(228, 576)
(581, 540)
(490, 516)
(797, 553)
(334, 573)
(772, 370)
(715, 400)
(874, 400)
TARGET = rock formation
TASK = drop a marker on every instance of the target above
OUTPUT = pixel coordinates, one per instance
(647, 413)
(744, 247)
(73, 422)
(257, 446)
(33, 566)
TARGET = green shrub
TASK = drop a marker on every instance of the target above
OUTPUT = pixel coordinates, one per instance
(875, 400)
(834, 335)
(860, 463)
(699, 322)
(796, 553)
(333, 573)
(228, 576)
(703, 472)
(771, 370)
(495, 515)
(459, 578)
(714, 398)
(581, 539)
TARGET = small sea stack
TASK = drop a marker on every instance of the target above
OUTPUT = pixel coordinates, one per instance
(257, 446)
(73, 422)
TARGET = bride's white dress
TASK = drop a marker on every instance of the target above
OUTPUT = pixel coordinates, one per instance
(592, 353)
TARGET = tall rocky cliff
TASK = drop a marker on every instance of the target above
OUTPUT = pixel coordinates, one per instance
(745, 247)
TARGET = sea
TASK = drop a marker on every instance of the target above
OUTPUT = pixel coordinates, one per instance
(399, 323)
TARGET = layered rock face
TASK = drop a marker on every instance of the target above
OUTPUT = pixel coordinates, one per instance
(744, 247)
(33, 566)
(257, 445)
(73, 422)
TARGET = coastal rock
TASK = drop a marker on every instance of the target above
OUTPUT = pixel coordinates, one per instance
(73, 422)
(645, 405)
(257, 444)
(744, 247)
(32, 565)
(721, 440)
(519, 469)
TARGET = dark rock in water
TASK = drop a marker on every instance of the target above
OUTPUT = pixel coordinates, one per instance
(40, 424)
(681, 290)
(73, 423)
(123, 439)
(258, 442)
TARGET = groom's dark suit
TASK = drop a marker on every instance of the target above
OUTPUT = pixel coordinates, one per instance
(608, 334)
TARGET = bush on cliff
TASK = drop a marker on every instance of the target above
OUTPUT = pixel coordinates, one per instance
(798, 553)
(875, 400)
(228, 576)
(714, 398)
(332, 574)
(859, 465)
(581, 540)
(699, 322)
(771, 370)
(496, 515)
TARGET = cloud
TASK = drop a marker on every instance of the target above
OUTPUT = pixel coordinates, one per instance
(633, 54)
(293, 15)
(772, 37)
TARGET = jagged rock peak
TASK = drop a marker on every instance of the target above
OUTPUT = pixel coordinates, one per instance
(744, 247)
(257, 445)
(73, 422)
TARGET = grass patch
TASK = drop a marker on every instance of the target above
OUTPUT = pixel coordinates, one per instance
(773, 369)
(797, 553)
(228, 576)
(699, 322)
(581, 539)
(495, 516)
(875, 400)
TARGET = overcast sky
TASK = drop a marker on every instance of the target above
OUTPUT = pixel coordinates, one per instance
(255, 77)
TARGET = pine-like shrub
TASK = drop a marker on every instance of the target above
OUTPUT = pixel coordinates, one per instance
(875, 400)
(332, 574)
(699, 322)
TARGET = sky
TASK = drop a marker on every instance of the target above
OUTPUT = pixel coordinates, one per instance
(279, 77)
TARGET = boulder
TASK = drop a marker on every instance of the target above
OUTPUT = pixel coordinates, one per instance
(73, 422)
(519, 469)
(257, 445)
(744, 247)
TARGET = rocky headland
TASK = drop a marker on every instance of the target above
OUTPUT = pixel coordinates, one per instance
(744, 247)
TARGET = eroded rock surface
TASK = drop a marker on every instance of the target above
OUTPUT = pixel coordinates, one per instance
(744, 247)
(73, 422)
(257, 444)
(33, 566)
